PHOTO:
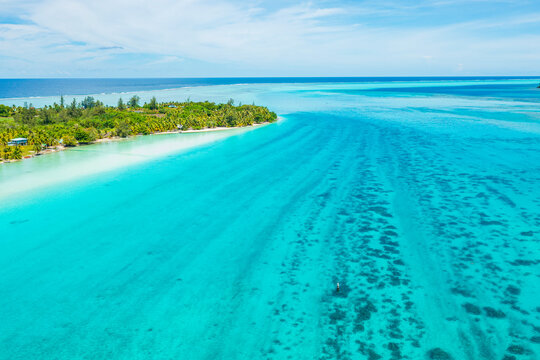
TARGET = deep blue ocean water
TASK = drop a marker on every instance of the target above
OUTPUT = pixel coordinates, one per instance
(420, 197)
(20, 88)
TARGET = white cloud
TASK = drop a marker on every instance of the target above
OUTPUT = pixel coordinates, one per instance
(81, 36)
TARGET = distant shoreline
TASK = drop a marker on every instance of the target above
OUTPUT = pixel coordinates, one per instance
(27, 131)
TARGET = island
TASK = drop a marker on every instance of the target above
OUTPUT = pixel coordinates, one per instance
(26, 131)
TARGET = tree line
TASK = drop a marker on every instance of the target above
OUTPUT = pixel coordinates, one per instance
(89, 120)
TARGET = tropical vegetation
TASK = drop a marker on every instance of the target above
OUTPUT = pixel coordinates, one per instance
(89, 120)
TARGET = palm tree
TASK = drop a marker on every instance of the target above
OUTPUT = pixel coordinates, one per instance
(3, 139)
(7, 152)
(17, 153)
(37, 147)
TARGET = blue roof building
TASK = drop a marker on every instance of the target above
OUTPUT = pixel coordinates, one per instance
(18, 141)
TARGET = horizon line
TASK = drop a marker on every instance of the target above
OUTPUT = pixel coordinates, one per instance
(277, 77)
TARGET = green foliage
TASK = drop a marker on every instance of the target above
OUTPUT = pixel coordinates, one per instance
(88, 102)
(51, 141)
(46, 115)
(3, 139)
(152, 105)
(75, 123)
(37, 147)
(7, 153)
(123, 129)
(5, 111)
(121, 105)
(85, 136)
(17, 153)
(69, 140)
(26, 116)
(134, 101)
(73, 110)
(231, 119)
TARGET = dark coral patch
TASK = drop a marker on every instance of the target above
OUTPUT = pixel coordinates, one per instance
(513, 290)
(516, 350)
(494, 313)
(372, 355)
(363, 312)
(461, 291)
(336, 316)
(438, 354)
(472, 309)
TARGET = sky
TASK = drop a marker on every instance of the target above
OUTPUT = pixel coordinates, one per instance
(229, 38)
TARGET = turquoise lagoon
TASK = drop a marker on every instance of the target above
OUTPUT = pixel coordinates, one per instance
(421, 198)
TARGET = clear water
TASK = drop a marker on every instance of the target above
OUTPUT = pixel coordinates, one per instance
(421, 198)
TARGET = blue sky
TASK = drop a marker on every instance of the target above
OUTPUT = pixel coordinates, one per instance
(185, 38)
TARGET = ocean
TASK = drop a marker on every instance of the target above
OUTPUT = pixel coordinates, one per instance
(419, 196)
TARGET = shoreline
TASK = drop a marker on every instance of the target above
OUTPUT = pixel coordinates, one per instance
(211, 129)
(117, 138)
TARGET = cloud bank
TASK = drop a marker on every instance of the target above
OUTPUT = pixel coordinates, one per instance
(57, 38)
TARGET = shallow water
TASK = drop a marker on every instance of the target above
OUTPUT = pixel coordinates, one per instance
(423, 205)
